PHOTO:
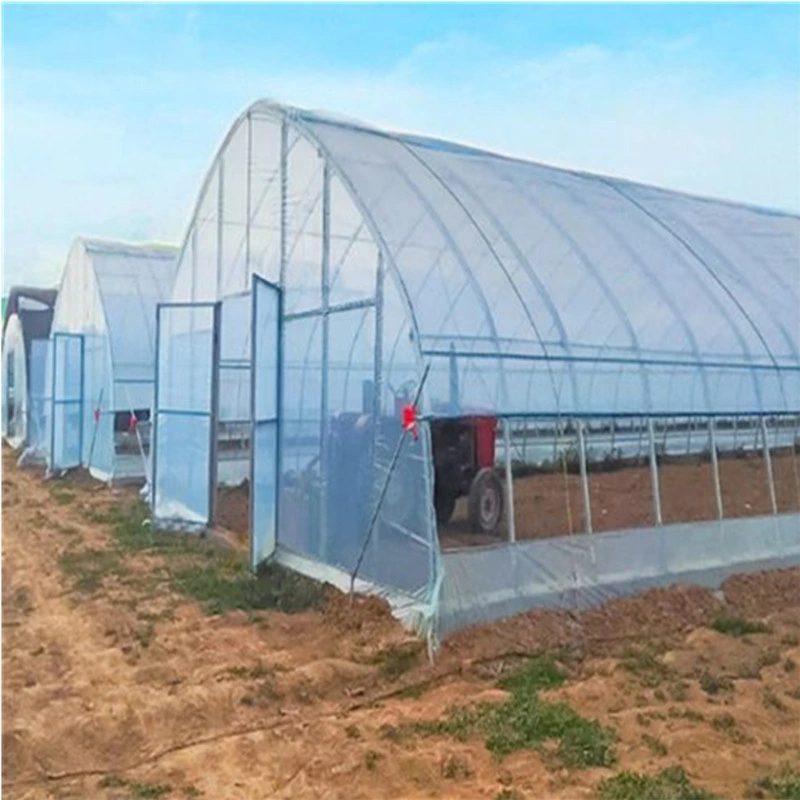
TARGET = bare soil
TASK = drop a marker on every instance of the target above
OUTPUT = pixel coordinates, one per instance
(132, 691)
(551, 504)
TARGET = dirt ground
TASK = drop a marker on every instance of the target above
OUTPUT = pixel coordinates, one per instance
(131, 690)
(551, 504)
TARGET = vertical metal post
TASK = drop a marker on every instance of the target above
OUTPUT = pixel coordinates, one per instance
(323, 431)
(255, 290)
(768, 461)
(587, 503)
(284, 200)
(510, 516)
(377, 369)
(654, 473)
(213, 418)
(712, 430)
(193, 292)
(248, 204)
(53, 402)
(220, 227)
(154, 425)
(735, 429)
(80, 404)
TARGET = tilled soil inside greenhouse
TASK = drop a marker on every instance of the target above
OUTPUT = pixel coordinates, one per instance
(551, 504)
(126, 674)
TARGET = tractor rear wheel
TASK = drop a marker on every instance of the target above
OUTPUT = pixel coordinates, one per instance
(485, 501)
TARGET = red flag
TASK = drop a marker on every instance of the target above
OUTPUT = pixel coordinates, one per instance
(410, 419)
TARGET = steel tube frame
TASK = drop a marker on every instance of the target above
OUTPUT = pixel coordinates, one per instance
(510, 515)
(654, 473)
(325, 377)
(587, 502)
(768, 461)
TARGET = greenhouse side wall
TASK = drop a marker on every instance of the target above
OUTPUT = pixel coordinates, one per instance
(666, 501)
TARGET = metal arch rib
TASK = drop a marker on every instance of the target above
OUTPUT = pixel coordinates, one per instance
(586, 263)
(299, 123)
(724, 259)
(518, 255)
(654, 280)
(470, 276)
(712, 273)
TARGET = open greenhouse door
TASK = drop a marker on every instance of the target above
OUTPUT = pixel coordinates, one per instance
(266, 359)
(186, 400)
(66, 429)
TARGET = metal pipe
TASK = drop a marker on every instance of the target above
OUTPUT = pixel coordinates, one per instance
(712, 429)
(587, 503)
(768, 461)
(654, 473)
(325, 377)
(510, 516)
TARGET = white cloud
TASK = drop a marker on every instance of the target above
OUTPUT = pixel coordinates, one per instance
(124, 154)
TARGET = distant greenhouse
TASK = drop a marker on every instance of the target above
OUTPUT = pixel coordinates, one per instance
(27, 317)
(101, 366)
(472, 383)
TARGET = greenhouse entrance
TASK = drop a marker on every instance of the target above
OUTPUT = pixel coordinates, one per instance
(216, 414)
(66, 430)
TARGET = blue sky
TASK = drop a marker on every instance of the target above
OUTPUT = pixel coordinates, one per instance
(112, 113)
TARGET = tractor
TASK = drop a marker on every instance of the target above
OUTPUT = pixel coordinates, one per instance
(463, 459)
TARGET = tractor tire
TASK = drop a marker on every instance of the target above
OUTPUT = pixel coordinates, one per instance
(485, 501)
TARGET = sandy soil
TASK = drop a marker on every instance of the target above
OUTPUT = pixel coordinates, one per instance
(134, 686)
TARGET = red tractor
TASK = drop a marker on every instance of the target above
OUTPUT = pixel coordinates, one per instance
(463, 459)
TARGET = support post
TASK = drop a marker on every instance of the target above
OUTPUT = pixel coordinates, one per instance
(654, 473)
(768, 462)
(284, 194)
(248, 202)
(220, 226)
(512, 533)
(587, 503)
(712, 429)
(325, 377)
(214, 416)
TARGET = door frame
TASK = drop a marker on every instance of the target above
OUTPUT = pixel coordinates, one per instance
(54, 402)
(213, 412)
(258, 282)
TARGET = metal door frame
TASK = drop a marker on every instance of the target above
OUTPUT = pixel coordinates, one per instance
(276, 420)
(213, 412)
(56, 402)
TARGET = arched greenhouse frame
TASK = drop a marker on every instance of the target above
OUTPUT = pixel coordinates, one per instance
(606, 375)
(101, 359)
(26, 329)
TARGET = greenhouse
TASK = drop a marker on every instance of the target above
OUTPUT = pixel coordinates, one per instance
(475, 384)
(101, 363)
(26, 328)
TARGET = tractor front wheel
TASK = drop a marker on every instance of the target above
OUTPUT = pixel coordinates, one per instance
(485, 501)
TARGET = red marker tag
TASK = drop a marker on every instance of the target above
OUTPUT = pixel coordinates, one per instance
(97, 416)
(132, 423)
(409, 419)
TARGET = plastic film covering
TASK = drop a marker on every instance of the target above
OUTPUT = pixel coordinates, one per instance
(530, 293)
(183, 407)
(266, 398)
(108, 295)
(38, 401)
(67, 401)
(15, 384)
